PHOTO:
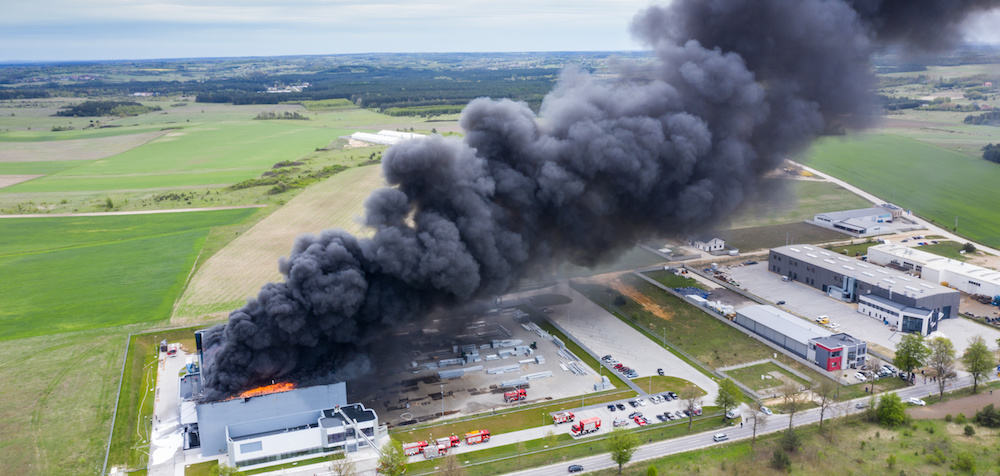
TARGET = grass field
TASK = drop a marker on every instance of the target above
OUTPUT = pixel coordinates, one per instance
(333, 203)
(216, 154)
(759, 238)
(752, 376)
(672, 280)
(935, 183)
(79, 273)
(850, 446)
(74, 149)
(790, 201)
(853, 250)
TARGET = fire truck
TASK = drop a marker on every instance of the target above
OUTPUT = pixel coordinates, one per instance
(410, 449)
(449, 441)
(473, 437)
(515, 395)
(433, 451)
(563, 417)
(585, 426)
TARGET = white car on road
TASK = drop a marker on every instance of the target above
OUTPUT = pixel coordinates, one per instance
(917, 401)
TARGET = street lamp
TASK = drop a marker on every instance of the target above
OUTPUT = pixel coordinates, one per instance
(442, 400)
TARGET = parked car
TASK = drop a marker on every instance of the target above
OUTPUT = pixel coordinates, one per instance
(661, 418)
(641, 421)
(861, 404)
(654, 399)
(670, 416)
(575, 468)
(620, 406)
(606, 358)
(766, 411)
(633, 403)
(672, 395)
(660, 372)
(641, 402)
(667, 397)
(618, 366)
(720, 437)
(860, 376)
(634, 414)
(611, 408)
(780, 303)
(917, 401)
(620, 422)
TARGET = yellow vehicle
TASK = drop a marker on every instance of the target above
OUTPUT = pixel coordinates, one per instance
(823, 320)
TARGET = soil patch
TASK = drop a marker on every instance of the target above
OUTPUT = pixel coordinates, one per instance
(967, 406)
(8, 180)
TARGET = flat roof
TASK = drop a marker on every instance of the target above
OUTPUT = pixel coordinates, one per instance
(869, 273)
(781, 321)
(940, 263)
(859, 213)
(895, 305)
(356, 412)
(837, 340)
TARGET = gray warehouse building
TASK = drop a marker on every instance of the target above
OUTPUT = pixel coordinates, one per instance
(849, 279)
(817, 345)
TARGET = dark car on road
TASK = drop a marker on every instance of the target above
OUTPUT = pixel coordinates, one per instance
(575, 468)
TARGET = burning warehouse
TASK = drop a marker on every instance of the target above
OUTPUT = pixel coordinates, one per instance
(277, 422)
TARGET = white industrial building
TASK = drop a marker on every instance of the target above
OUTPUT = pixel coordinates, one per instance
(859, 223)
(385, 137)
(902, 317)
(830, 351)
(965, 277)
(709, 243)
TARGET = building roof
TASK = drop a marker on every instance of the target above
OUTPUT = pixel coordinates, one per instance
(706, 238)
(860, 213)
(837, 340)
(895, 305)
(940, 263)
(356, 412)
(788, 324)
(869, 273)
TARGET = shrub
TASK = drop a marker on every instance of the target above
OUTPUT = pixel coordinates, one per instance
(948, 418)
(960, 419)
(780, 460)
(969, 431)
(790, 440)
(988, 416)
(651, 471)
(964, 462)
(891, 461)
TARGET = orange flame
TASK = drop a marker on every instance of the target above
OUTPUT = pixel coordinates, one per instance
(267, 390)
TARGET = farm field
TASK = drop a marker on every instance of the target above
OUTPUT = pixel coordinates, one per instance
(227, 279)
(220, 154)
(934, 183)
(78, 273)
(760, 238)
(790, 201)
(74, 149)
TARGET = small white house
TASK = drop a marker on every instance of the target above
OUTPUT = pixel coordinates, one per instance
(709, 243)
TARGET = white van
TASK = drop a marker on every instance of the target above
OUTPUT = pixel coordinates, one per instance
(734, 413)
(720, 437)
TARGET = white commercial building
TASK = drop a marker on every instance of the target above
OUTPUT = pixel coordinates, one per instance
(965, 277)
(904, 318)
(860, 223)
(385, 137)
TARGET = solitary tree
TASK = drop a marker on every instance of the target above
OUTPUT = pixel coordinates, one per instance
(828, 392)
(789, 392)
(874, 363)
(757, 419)
(911, 353)
(978, 360)
(451, 466)
(891, 411)
(343, 467)
(692, 399)
(393, 460)
(622, 445)
(729, 395)
(942, 360)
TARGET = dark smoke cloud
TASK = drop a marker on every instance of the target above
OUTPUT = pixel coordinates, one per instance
(664, 148)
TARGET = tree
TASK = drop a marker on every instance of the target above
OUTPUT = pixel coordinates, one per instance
(988, 416)
(756, 418)
(978, 360)
(828, 393)
(969, 248)
(451, 466)
(780, 461)
(651, 471)
(911, 353)
(224, 469)
(691, 399)
(891, 411)
(622, 444)
(109, 204)
(789, 392)
(393, 460)
(874, 363)
(343, 467)
(942, 360)
(729, 395)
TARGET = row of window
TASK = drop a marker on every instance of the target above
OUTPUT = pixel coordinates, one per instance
(283, 456)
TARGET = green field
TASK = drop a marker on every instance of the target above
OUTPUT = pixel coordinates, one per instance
(934, 183)
(788, 201)
(759, 238)
(219, 154)
(79, 273)
(751, 376)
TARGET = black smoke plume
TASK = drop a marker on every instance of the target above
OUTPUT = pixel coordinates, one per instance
(664, 148)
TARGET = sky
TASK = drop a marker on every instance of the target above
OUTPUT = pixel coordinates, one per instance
(56, 30)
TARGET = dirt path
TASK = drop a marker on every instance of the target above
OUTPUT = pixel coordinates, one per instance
(135, 212)
(967, 406)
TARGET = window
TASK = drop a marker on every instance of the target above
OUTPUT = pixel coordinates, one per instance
(251, 447)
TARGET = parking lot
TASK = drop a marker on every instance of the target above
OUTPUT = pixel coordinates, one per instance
(605, 334)
(624, 409)
(809, 302)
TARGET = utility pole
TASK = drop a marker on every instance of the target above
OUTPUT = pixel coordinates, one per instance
(442, 400)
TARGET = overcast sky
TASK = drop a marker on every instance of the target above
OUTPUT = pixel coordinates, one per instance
(45, 30)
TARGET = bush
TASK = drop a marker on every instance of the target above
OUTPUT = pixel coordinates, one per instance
(969, 431)
(891, 461)
(780, 460)
(651, 471)
(891, 411)
(790, 440)
(988, 416)
(948, 418)
(964, 462)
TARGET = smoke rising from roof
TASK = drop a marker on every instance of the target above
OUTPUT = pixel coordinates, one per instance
(664, 148)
